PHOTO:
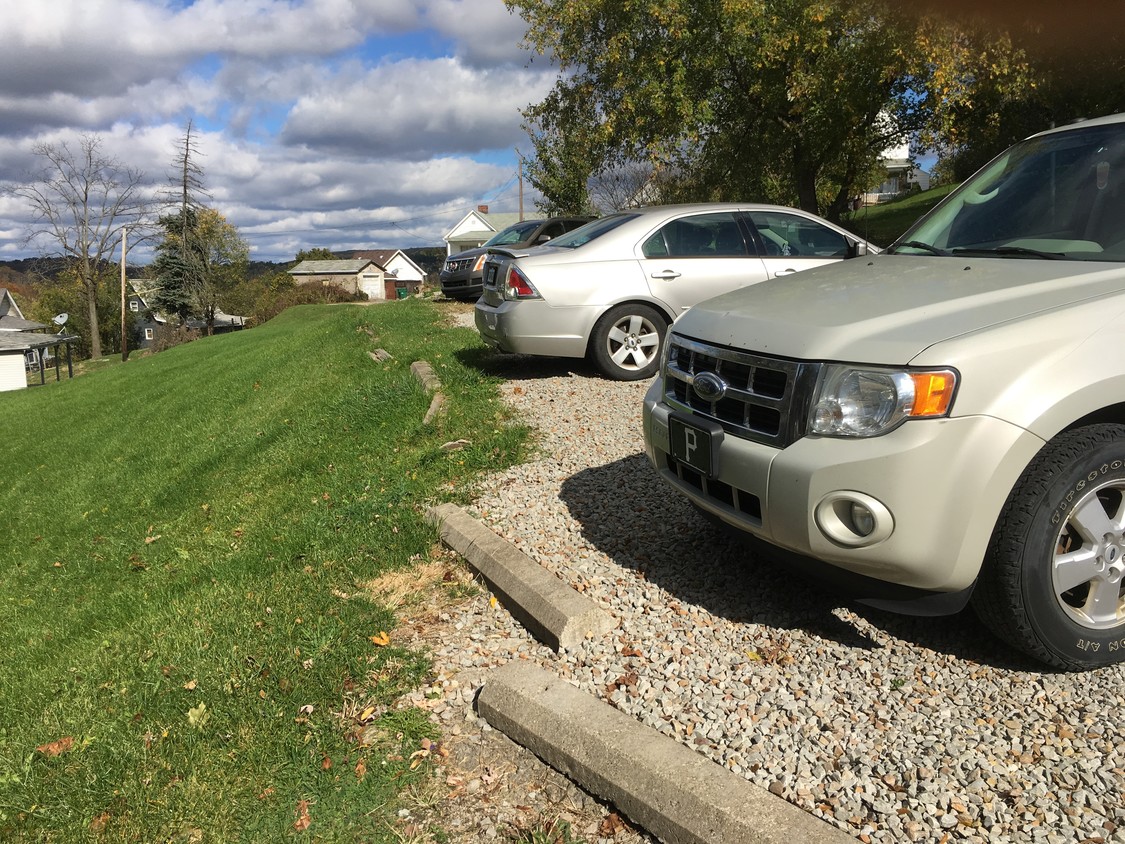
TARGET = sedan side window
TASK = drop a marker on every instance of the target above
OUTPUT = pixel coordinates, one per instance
(550, 232)
(699, 236)
(788, 234)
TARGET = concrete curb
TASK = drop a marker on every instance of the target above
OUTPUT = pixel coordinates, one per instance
(668, 789)
(551, 611)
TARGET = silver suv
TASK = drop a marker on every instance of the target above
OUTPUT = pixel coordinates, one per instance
(941, 422)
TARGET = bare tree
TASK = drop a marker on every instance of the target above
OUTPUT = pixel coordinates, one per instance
(81, 201)
(626, 185)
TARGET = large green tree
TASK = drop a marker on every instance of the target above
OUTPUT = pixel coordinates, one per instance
(787, 100)
(991, 81)
(200, 258)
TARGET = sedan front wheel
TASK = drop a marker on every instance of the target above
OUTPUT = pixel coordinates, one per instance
(626, 342)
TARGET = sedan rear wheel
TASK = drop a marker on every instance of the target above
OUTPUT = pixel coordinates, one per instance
(626, 342)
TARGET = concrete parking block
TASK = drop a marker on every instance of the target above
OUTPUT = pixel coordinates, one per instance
(664, 787)
(551, 610)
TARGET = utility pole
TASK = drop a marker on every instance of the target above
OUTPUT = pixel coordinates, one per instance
(520, 175)
(124, 340)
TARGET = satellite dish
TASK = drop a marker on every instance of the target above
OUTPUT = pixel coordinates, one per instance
(60, 319)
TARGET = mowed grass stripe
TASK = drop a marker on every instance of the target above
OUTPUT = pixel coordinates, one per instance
(180, 532)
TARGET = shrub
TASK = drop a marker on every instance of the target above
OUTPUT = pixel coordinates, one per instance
(167, 336)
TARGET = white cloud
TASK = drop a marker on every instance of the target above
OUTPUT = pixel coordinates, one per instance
(417, 108)
(318, 121)
(487, 34)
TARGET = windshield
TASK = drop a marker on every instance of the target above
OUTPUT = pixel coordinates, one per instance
(595, 229)
(1057, 196)
(513, 234)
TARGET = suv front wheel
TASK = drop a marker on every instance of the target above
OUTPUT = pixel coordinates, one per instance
(1053, 581)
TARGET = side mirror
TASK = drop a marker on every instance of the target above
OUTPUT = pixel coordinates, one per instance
(859, 249)
(543, 238)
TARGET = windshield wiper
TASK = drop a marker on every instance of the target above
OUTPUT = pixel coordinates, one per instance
(925, 247)
(1012, 250)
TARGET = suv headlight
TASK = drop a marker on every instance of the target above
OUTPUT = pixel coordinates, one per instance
(853, 401)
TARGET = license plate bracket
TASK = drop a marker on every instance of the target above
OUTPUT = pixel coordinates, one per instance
(695, 443)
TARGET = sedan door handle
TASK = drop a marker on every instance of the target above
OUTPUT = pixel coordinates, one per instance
(780, 273)
(666, 275)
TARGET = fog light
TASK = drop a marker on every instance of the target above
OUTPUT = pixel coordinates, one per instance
(863, 520)
(853, 519)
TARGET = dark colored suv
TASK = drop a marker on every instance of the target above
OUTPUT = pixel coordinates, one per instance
(461, 273)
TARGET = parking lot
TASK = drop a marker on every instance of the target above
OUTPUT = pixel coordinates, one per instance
(893, 728)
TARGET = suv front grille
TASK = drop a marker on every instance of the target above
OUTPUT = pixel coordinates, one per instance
(766, 399)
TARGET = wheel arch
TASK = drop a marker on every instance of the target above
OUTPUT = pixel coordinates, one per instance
(655, 304)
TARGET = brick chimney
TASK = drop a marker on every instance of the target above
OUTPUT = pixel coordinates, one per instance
(482, 209)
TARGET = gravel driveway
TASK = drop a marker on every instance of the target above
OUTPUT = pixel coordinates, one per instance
(893, 728)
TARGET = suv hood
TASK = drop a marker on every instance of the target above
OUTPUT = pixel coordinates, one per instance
(890, 308)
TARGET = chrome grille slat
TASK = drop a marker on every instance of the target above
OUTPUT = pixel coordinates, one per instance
(766, 399)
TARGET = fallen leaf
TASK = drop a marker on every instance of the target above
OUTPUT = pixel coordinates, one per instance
(56, 748)
(611, 825)
(366, 715)
(99, 823)
(307, 709)
(326, 763)
(360, 769)
(269, 792)
(197, 716)
(191, 685)
(381, 638)
(303, 817)
(151, 539)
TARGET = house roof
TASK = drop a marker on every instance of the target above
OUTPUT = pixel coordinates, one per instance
(345, 267)
(380, 256)
(19, 341)
(11, 317)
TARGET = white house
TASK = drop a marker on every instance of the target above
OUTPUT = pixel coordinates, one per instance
(23, 346)
(901, 174)
(475, 228)
(396, 264)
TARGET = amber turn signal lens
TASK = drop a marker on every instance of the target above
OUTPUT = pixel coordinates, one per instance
(933, 392)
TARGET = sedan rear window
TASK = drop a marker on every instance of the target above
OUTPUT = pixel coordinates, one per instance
(592, 230)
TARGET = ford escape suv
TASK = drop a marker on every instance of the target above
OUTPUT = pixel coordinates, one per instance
(940, 423)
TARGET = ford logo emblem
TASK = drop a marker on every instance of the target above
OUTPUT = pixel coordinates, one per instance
(709, 386)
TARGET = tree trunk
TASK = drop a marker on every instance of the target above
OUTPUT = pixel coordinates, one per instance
(804, 174)
(90, 288)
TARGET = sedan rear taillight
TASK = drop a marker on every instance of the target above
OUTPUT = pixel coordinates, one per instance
(519, 287)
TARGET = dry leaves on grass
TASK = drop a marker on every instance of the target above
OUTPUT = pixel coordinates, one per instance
(304, 819)
(57, 748)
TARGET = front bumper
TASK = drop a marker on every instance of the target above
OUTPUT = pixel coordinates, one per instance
(461, 285)
(937, 486)
(532, 327)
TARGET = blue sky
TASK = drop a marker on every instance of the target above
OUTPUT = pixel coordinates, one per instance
(337, 123)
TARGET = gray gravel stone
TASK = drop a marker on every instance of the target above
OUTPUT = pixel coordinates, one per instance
(854, 715)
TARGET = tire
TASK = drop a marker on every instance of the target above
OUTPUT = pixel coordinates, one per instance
(1053, 580)
(626, 342)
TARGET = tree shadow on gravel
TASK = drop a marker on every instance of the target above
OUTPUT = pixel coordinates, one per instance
(504, 365)
(633, 517)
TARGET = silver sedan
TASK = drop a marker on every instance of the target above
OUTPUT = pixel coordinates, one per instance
(609, 289)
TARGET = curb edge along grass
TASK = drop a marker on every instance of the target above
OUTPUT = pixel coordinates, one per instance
(667, 788)
(553, 612)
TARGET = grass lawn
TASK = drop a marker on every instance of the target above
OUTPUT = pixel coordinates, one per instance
(186, 642)
(882, 224)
